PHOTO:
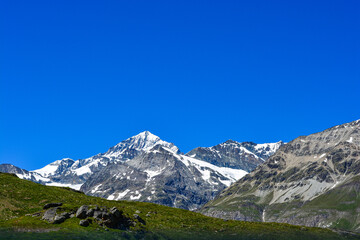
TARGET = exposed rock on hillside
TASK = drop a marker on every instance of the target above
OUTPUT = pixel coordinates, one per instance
(313, 181)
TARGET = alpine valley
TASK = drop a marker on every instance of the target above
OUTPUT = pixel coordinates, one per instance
(313, 181)
(148, 169)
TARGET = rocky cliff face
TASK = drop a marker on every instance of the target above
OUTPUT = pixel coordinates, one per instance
(312, 180)
(232, 154)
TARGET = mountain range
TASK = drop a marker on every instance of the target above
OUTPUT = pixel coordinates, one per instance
(313, 181)
(146, 168)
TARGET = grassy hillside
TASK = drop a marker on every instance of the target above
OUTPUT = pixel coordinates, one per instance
(19, 198)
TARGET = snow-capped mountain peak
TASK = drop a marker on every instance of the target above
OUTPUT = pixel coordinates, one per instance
(143, 141)
(78, 171)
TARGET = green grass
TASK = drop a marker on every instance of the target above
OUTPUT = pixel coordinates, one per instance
(20, 197)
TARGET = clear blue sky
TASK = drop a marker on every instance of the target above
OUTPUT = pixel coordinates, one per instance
(77, 77)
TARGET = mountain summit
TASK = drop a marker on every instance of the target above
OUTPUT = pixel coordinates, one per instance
(67, 172)
(143, 141)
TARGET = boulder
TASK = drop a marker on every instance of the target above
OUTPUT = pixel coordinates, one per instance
(66, 214)
(102, 214)
(116, 213)
(50, 205)
(137, 217)
(98, 214)
(49, 215)
(59, 219)
(81, 212)
(37, 214)
(84, 223)
(90, 212)
(114, 218)
(107, 223)
(106, 215)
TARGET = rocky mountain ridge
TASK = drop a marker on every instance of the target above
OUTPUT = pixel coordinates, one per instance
(232, 154)
(312, 180)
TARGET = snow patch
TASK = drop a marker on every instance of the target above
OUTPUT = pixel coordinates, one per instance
(96, 188)
(119, 195)
(82, 170)
(269, 148)
(122, 194)
(48, 169)
(73, 186)
(152, 174)
(263, 215)
(231, 174)
(135, 197)
(39, 178)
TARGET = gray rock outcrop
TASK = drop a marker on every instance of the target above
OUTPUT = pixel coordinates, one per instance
(50, 214)
(82, 211)
(84, 223)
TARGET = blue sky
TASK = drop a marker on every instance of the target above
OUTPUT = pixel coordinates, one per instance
(77, 77)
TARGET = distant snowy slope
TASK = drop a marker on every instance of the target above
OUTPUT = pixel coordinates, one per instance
(246, 156)
(57, 167)
(22, 173)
